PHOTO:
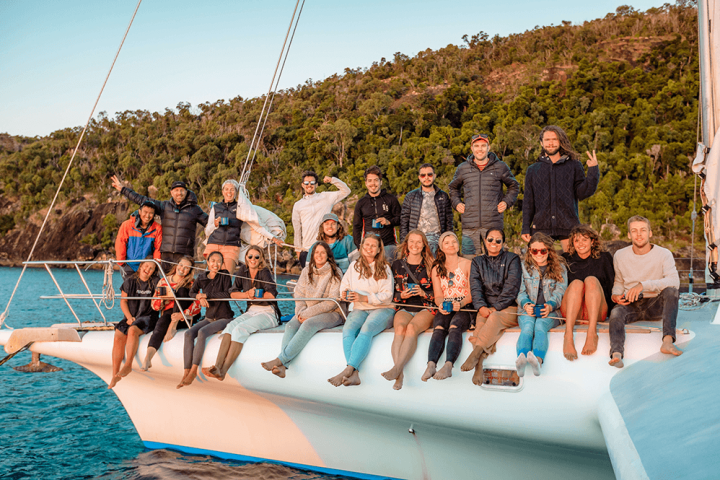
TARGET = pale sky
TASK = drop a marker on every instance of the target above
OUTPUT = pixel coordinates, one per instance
(54, 55)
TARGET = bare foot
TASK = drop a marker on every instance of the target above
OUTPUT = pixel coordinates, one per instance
(182, 380)
(473, 339)
(399, 382)
(211, 372)
(429, 371)
(590, 344)
(444, 372)
(520, 364)
(147, 365)
(669, 347)
(337, 380)
(616, 360)
(353, 379)
(279, 371)
(392, 374)
(114, 381)
(126, 370)
(272, 363)
(170, 333)
(478, 376)
(569, 347)
(472, 360)
(191, 376)
(534, 363)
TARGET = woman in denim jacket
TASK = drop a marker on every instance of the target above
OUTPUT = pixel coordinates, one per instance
(542, 264)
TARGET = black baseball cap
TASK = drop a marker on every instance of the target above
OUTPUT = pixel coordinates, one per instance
(178, 183)
(149, 203)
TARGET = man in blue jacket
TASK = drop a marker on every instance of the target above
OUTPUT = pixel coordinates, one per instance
(427, 209)
(554, 185)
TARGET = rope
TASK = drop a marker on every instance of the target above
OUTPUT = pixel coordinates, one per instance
(2, 362)
(262, 130)
(247, 166)
(52, 204)
(108, 291)
(231, 275)
(693, 301)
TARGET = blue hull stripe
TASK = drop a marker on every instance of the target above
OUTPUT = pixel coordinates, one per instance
(244, 458)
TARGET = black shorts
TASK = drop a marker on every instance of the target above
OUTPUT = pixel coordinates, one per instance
(146, 324)
(559, 237)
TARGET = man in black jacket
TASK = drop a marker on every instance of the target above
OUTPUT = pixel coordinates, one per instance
(427, 209)
(554, 185)
(378, 211)
(481, 178)
(179, 218)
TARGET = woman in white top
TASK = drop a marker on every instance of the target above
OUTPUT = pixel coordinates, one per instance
(368, 285)
(450, 276)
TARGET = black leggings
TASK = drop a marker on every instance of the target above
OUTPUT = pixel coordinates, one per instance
(461, 321)
(163, 323)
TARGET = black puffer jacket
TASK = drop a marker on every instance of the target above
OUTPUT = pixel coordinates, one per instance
(495, 281)
(412, 205)
(482, 191)
(552, 193)
(226, 234)
(179, 222)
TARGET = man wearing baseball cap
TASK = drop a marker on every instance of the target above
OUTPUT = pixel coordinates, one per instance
(179, 216)
(476, 191)
(333, 233)
(138, 237)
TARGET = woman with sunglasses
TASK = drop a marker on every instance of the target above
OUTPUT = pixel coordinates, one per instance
(450, 274)
(209, 289)
(181, 280)
(253, 281)
(541, 291)
(414, 290)
(368, 286)
(319, 279)
(495, 279)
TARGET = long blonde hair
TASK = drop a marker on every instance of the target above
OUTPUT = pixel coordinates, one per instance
(261, 264)
(426, 254)
(381, 264)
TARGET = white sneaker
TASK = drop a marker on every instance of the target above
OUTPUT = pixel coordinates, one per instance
(520, 364)
(534, 363)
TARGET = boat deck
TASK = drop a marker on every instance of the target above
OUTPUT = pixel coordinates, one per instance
(665, 403)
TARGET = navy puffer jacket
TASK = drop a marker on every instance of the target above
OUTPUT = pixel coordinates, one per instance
(483, 191)
(179, 222)
(410, 214)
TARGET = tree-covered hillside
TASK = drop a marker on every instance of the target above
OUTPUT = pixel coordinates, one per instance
(625, 85)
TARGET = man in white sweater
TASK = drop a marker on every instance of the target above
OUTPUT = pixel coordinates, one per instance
(308, 212)
(646, 288)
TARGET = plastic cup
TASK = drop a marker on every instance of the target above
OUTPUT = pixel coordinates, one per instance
(259, 292)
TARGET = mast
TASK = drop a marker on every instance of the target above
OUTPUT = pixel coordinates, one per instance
(707, 160)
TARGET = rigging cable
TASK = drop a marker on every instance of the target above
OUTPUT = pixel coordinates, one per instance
(256, 140)
(3, 316)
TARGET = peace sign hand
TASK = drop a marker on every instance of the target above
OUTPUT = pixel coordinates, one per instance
(592, 161)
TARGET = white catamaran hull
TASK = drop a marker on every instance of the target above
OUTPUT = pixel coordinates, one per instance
(304, 421)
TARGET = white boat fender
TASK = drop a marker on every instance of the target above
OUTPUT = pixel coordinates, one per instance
(21, 337)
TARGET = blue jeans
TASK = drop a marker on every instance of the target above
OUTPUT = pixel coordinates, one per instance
(297, 334)
(534, 334)
(360, 328)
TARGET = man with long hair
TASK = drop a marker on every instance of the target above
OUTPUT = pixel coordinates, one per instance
(308, 212)
(554, 185)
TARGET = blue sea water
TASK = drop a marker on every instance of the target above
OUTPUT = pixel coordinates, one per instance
(68, 424)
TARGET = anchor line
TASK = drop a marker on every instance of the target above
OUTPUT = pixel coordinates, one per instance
(2, 362)
(3, 316)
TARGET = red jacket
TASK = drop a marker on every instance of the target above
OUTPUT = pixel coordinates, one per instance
(132, 244)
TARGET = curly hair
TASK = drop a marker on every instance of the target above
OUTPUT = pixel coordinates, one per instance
(340, 232)
(555, 262)
(426, 254)
(381, 263)
(566, 147)
(586, 231)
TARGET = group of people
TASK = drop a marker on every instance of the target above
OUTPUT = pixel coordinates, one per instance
(368, 283)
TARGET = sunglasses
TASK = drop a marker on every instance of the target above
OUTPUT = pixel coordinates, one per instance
(423, 175)
(253, 257)
(310, 183)
(496, 240)
(451, 277)
(536, 251)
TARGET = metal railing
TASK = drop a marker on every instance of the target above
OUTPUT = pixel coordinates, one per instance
(94, 297)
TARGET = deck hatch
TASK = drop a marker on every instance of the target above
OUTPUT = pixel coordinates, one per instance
(502, 378)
